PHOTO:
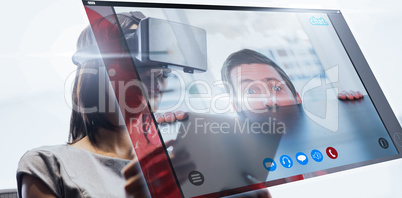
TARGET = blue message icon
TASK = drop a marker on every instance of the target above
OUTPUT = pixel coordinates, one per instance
(269, 164)
(301, 158)
(286, 161)
(316, 155)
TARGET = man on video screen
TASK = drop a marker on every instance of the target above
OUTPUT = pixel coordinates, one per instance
(259, 84)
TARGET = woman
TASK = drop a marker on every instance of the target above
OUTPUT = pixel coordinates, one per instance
(100, 139)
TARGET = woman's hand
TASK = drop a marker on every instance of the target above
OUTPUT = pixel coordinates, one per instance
(159, 176)
(183, 164)
(350, 95)
(135, 183)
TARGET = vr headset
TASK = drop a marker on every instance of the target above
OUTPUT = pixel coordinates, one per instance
(158, 43)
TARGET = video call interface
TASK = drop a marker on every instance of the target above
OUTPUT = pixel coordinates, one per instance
(260, 93)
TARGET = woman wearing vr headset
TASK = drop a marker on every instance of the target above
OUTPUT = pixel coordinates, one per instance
(105, 123)
(102, 131)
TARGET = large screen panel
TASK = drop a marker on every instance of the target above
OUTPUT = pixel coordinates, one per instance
(270, 95)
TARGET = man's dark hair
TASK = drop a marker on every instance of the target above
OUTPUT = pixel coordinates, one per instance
(247, 56)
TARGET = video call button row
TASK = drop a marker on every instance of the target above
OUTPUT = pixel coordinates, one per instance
(287, 162)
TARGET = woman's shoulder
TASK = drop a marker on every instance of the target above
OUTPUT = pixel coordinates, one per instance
(40, 160)
(48, 161)
(72, 167)
(65, 153)
(43, 152)
(48, 149)
(42, 163)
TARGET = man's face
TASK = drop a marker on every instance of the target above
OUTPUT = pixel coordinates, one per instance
(258, 87)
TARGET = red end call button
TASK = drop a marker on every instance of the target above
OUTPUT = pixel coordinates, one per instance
(332, 153)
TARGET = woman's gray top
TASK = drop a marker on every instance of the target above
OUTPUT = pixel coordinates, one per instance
(73, 172)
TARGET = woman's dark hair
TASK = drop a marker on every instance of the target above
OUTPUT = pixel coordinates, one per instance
(247, 56)
(86, 86)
